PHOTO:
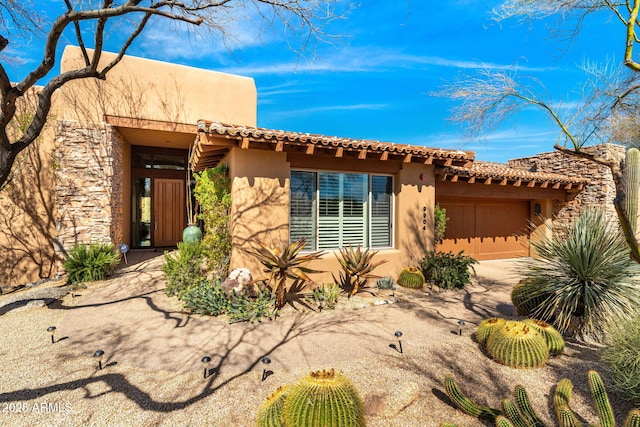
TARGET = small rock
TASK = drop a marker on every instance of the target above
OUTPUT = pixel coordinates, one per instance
(36, 303)
(380, 302)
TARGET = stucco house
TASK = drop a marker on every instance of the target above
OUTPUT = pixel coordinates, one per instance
(113, 168)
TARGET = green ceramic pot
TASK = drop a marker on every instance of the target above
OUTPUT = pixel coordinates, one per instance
(192, 234)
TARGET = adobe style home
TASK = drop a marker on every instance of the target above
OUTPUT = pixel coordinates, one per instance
(113, 167)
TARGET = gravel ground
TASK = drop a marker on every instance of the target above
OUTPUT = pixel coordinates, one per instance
(47, 384)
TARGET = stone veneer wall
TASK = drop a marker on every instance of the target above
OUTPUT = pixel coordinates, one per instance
(599, 192)
(88, 190)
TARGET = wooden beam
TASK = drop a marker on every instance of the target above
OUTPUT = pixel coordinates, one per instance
(580, 187)
(384, 156)
(245, 143)
(429, 160)
(448, 162)
(454, 178)
(531, 184)
(339, 152)
(544, 184)
(310, 149)
(517, 183)
(472, 180)
(568, 186)
(503, 182)
(488, 181)
(407, 158)
(556, 185)
(279, 146)
(362, 154)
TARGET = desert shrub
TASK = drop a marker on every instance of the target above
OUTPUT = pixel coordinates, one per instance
(86, 263)
(622, 353)
(439, 223)
(213, 195)
(183, 268)
(243, 308)
(585, 275)
(205, 297)
(386, 282)
(327, 294)
(446, 270)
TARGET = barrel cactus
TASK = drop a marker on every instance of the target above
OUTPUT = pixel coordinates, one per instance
(518, 345)
(633, 419)
(526, 297)
(323, 398)
(411, 277)
(554, 340)
(486, 327)
(270, 413)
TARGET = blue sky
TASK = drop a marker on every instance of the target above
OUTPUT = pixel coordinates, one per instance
(377, 80)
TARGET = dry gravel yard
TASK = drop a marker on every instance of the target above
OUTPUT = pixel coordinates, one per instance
(54, 385)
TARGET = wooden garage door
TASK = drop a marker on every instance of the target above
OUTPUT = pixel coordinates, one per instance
(486, 229)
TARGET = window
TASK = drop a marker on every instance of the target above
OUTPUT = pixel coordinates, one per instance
(332, 209)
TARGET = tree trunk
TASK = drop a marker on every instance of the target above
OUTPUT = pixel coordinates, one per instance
(7, 158)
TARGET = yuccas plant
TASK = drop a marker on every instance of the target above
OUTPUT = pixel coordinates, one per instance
(357, 266)
(283, 263)
(411, 277)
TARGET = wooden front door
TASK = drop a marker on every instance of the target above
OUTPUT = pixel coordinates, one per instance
(168, 211)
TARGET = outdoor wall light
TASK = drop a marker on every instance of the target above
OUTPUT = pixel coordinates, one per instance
(265, 361)
(99, 354)
(460, 325)
(206, 360)
(398, 348)
(52, 331)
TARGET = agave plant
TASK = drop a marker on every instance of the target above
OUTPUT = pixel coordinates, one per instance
(584, 277)
(283, 263)
(357, 266)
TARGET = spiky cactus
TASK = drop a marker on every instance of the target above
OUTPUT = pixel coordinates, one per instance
(270, 413)
(524, 405)
(510, 411)
(632, 186)
(411, 277)
(562, 394)
(633, 419)
(526, 297)
(323, 398)
(518, 345)
(554, 340)
(503, 422)
(601, 399)
(486, 327)
(466, 405)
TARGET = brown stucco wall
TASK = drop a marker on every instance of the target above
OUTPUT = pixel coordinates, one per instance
(260, 212)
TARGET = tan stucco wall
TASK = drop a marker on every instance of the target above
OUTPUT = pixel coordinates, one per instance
(136, 88)
(154, 90)
(260, 194)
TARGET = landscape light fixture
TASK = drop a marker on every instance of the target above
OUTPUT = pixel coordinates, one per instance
(52, 331)
(398, 334)
(265, 360)
(460, 325)
(205, 362)
(99, 354)
(320, 302)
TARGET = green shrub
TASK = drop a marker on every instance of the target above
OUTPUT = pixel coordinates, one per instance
(446, 270)
(386, 282)
(623, 355)
(585, 275)
(327, 294)
(86, 263)
(439, 223)
(213, 194)
(205, 297)
(182, 267)
(243, 308)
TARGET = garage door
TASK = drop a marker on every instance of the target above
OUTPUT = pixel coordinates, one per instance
(486, 229)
